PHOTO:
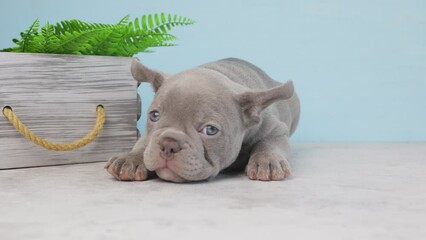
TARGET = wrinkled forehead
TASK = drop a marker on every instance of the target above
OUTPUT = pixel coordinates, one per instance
(194, 97)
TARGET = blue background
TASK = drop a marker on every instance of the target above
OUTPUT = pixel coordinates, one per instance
(359, 66)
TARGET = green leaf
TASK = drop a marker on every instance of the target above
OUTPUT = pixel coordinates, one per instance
(157, 19)
(137, 26)
(163, 18)
(143, 22)
(29, 34)
(124, 20)
(125, 38)
(150, 21)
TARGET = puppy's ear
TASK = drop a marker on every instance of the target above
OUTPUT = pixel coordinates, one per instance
(143, 74)
(254, 102)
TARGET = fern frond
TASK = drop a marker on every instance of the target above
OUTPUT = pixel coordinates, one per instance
(74, 25)
(102, 42)
(124, 21)
(50, 42)
(161, 23)
(28, 35)
(125, 38)
(134, 44)
(77, 42)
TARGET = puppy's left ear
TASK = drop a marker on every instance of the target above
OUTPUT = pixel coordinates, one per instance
(141, 73)
(254, 102)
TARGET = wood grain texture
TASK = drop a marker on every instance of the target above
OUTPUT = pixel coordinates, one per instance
(56, 97)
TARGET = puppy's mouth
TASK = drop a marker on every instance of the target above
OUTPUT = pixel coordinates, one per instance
(185, 166)
(169, 175)
(167, 170)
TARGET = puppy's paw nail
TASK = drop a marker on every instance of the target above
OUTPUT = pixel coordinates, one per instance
(287, 173)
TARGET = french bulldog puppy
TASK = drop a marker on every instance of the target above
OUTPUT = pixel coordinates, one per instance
(222, 115)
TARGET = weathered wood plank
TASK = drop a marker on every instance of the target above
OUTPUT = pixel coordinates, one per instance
(56, 97)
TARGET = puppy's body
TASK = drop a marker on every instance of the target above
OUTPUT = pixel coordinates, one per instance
(211, 118)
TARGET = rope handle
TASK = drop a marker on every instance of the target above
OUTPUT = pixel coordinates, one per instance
(27, 133)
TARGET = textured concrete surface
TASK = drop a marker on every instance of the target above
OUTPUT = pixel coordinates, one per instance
(337, 191)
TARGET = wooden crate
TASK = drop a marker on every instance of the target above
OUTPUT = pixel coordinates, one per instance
(56, 97)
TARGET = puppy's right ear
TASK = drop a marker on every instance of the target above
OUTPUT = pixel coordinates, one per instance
(254, 102)
(143, 74)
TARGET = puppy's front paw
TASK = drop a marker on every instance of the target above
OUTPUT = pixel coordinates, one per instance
(267, 167)
(127, 167)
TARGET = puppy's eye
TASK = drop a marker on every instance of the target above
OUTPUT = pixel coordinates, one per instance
(154, 116)
(210, 130)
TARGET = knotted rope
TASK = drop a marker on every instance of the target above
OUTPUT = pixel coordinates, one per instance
(14, 120)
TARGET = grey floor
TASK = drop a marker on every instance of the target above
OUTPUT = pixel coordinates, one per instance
(337, 191)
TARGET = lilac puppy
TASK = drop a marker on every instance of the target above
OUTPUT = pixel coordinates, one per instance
(222, 115)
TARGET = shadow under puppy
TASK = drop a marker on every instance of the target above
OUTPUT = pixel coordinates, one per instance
(221, 115)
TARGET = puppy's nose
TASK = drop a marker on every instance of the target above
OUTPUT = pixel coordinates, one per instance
(169, 146)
